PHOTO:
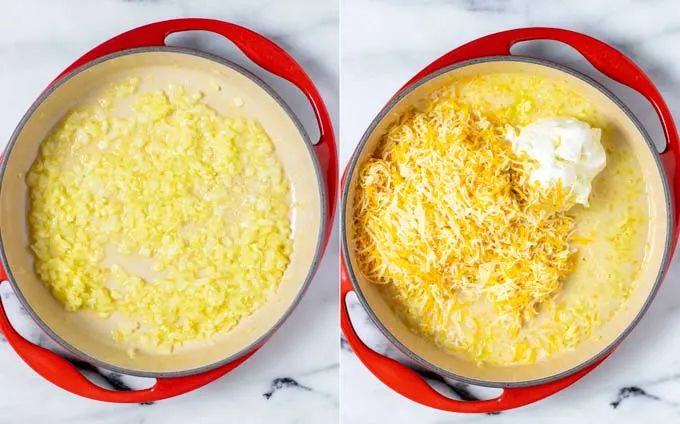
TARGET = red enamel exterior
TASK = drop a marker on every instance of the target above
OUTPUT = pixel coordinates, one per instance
(267, 55)
(610, 62)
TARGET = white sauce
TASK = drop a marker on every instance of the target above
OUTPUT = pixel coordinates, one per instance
(566, 150)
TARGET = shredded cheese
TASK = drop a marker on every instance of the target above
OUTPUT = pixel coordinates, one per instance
(470, 252)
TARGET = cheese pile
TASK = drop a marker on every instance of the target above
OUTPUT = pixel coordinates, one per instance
(198, 197)
(475, 256)
(447, 215)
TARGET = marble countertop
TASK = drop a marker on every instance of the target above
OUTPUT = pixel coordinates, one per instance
(294, 377)
(384, 43)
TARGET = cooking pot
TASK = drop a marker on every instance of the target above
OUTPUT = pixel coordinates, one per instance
(522, 384)
(310, 168)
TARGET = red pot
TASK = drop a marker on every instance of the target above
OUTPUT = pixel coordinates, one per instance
(312, 170)
(520, 387)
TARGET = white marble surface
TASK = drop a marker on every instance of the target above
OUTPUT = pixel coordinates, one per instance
(38, 38)
(384, 43)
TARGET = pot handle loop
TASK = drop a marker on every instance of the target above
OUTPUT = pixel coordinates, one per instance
(411, 385)
(604, 58)
(62, 373)
(266, 54)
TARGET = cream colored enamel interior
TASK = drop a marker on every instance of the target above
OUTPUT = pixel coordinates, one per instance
(90, 334)
(629, 137)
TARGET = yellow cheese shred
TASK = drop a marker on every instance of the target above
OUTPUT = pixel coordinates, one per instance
(445, 207)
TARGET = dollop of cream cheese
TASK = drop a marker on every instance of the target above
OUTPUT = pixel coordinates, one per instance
(566, 150)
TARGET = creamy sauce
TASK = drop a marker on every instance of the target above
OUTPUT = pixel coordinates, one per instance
(174, 217)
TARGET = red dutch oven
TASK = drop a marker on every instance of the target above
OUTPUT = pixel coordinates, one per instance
(522, 384)
(311, 169)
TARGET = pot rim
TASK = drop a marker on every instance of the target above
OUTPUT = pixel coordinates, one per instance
(351, 168)
(313, 266)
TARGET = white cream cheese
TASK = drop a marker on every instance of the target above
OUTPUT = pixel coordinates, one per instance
(566, 150)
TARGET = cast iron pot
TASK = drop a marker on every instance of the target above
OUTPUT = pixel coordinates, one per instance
(311, 169)
(522, 384)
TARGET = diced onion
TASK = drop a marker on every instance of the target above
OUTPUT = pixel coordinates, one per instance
(201, 195)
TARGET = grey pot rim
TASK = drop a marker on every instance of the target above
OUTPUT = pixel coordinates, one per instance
(346, 254)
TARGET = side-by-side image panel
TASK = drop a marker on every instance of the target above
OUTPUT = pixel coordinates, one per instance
(168, 190)
(507, 214)
(339, 211)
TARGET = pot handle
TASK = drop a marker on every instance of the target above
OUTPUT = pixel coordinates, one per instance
(62, 373)
(604, 58)
(411, 385)
(265, 53)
